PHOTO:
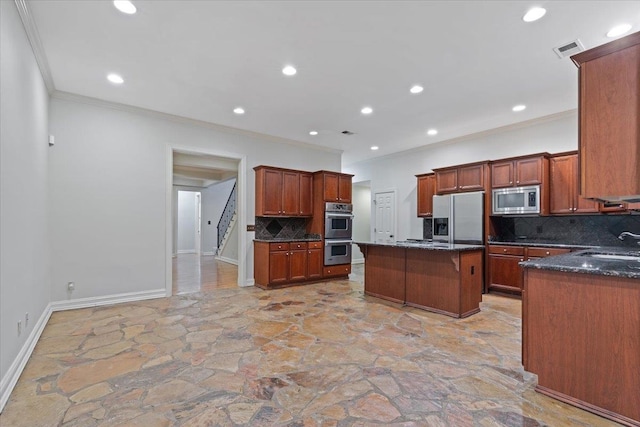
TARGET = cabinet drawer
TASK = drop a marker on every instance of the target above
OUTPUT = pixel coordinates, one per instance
(315, 245)
(297, 245)
(544, 252)
(337, 270)
(278, 246)
(506, 250)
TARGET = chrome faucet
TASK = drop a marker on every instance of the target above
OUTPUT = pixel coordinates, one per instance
(630, 234)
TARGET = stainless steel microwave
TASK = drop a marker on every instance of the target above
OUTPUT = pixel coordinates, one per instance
(516, 200)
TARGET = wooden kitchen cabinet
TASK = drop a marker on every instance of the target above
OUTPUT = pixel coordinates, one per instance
(520, 171)
(283, 192)
(337, 187)
(609, 119)
(462, 178)
(426, 189)
(564, 197)
(282, 263)
(315, 260)
(336, 270)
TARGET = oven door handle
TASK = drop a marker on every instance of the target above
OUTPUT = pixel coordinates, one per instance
(338, 215)
(328, 242)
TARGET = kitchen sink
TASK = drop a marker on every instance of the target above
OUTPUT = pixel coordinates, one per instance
(627, 256)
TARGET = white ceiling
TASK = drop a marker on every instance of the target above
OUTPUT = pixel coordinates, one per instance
(200, 59)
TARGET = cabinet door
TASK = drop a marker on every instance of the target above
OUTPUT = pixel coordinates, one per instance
(290, 193)
(447, 181)
(306, 194)
(426, 190)
(529, 171)
(278, 267)
(471, 178)
(272, 192)
(314, 263)
(502, 174)
(563, 182)
(298, 264)
(331, 187)
(505, 275)
(344, 188)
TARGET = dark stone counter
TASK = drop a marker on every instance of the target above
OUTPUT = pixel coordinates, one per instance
(542, 245)
(429, 246)
(599, 261)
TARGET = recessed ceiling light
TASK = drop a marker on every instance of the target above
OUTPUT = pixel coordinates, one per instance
(115, 78)
(125, 6)
(416, 89)
(313, 133)
(367, 110)
(432, 132)
(619, 30)
(519, 108)
(375, 147)
(289, 70)
(534, 14)
(238, 110)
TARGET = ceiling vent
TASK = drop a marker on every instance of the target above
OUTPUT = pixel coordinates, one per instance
(347, 132)
(569, 49)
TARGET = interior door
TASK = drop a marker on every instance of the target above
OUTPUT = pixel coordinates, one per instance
(385, 203)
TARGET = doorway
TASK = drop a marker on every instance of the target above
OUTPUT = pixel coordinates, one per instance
(201, 185)
(385, 216)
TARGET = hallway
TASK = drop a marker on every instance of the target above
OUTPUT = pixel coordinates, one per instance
(195, 273)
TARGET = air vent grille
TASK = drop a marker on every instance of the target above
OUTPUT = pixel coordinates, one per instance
(569, 49)
(347, 132)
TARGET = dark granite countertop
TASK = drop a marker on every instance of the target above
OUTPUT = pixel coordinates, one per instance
(585, 262)
(430, 246)
(542, 244)
(282, 240)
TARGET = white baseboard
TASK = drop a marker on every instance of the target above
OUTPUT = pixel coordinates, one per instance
(10, 379)
(227, 260)
(248, 283)
(107, 300)
(187, 251)
(357, 261)
(208, 253)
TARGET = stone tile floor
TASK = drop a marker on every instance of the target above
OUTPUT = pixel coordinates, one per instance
(316, 355)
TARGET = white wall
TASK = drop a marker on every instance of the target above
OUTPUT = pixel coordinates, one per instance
(24, 251)
(553, 135)
(214, 199)
(109, 175)
(187, 205)
(361, 199)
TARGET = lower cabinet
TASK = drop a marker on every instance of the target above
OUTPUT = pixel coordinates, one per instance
(284, 263)
(505, 273)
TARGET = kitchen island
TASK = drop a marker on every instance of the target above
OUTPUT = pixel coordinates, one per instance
(581, 330)
(438, 277)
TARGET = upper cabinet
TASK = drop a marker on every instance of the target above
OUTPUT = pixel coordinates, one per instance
(426, 190)
(520, 171)
(609, 119)
(337, 187)
(461, 178)
(283, 192)
(564, 196)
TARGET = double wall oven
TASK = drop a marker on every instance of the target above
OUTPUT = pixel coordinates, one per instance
(338, 221)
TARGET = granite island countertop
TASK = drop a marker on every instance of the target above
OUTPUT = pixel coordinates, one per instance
(430, 246)
(288, 240)
(586, 263)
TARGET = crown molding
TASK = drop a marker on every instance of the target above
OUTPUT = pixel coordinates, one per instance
(36, 44)
(67, 96)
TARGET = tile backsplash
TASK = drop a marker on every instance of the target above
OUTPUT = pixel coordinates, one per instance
(280, 228)
(595, 230)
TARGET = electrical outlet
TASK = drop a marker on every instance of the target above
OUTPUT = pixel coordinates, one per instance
(71, 286)
(19, 327)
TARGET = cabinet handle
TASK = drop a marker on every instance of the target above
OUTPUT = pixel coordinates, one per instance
(287, 253)
(548, 253)
(504, 250)
(522, 259)
(517, 182)
(510, 182)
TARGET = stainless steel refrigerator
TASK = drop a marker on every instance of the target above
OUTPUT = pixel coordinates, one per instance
(458, 218)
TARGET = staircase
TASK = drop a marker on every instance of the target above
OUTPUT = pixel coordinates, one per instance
(227, 220)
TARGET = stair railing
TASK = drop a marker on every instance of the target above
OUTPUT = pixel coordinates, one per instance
(227, 216)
